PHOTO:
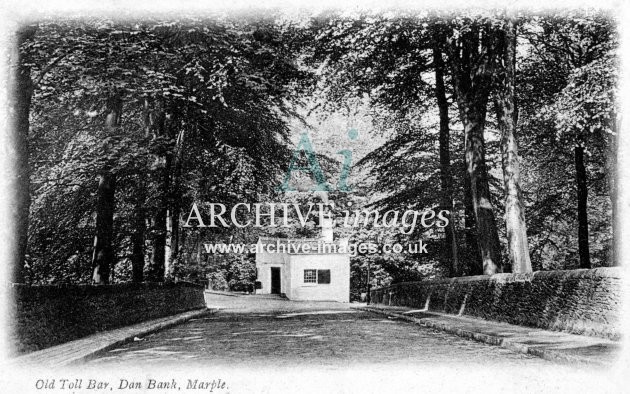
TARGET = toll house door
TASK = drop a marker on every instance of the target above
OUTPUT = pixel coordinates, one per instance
(275, 280)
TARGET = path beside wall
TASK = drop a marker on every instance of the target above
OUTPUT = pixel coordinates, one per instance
(577, 301)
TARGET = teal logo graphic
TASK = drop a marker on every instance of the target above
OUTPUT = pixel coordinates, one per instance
(313, 167)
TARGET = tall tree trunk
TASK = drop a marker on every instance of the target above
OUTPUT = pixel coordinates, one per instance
(516, 228)
(473, 255)
(582, 206)
(159, 230)
(470, 54)
(175, 236)
(139, 231)
(103, 256)
(168, 246)
(613, 189)
(172, 249)
(137, 237)
(156, 271)
(139, 217)
(487, 234)
(21, 92)
(172, 240)
(450, 254)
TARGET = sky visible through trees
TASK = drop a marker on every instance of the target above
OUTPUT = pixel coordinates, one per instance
(506, 120)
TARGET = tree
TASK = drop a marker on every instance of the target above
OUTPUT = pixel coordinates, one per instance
(21, 90)
(390, 59)
(575, 113)
(586, 108)
(446, 178)
(200, 77)
(470, 55)
(210, 106)
(505, 104)
(103, 255)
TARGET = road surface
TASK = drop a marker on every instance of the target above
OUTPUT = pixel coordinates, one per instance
(264, 330)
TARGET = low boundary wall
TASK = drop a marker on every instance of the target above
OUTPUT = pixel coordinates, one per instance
(585, 301)
(45, 316)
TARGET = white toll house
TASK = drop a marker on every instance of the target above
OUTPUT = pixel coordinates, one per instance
(308, 269)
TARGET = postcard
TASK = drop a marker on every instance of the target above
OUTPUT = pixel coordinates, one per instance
(345, 198)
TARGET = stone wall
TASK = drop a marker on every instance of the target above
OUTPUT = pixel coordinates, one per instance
(576, 301)
(49, 315)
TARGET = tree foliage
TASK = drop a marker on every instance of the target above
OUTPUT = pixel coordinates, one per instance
(212, 107)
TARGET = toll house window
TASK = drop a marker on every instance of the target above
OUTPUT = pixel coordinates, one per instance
(310, 276)
(323, 276)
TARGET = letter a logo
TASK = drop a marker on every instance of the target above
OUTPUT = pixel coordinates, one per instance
(313, 166)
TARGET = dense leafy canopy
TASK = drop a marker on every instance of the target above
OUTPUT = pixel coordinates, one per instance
(212, 108)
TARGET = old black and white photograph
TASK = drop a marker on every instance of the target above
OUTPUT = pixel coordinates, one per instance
(345, 198)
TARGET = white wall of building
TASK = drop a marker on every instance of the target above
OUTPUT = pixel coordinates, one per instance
(285, 275)
(264, 262)
(264, 276)
(337, 290)
(292, 268)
